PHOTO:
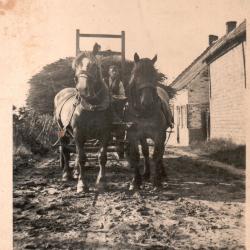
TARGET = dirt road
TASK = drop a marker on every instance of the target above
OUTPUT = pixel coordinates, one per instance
(199, 207)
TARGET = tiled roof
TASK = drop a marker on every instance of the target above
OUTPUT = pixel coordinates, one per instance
(190, 72)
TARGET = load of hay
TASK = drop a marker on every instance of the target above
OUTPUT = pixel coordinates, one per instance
(58, 75)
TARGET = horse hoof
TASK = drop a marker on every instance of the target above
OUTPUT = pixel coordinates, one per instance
(157, 185)
(75, 176)
(101, 186)
(81, 188)
(133, 187)
(66, 177)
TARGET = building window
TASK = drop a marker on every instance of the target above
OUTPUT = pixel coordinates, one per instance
(184, 116)
(178, 115)
(181, 116)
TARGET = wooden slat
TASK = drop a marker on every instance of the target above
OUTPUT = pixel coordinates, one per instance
(77, 41)
(100, 35)
(123, 54)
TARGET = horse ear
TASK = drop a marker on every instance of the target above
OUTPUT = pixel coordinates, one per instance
(154, 59)
(76, 60)
(136, 57)
(96, 48)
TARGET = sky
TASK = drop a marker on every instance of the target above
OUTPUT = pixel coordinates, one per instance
(34, 33)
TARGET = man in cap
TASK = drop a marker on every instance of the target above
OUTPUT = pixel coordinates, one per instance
(117, 92)
(115, 85)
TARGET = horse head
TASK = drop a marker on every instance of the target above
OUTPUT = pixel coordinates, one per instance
(87, 73)
(142, 85)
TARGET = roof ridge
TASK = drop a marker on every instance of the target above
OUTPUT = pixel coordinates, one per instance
(190, 65)
(206, 51)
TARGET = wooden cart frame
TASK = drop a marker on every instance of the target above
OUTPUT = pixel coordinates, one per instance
(110, 36)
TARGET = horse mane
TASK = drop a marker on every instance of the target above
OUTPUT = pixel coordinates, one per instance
(85, 54)
(144, 67)
(91, 55)
(97, 87)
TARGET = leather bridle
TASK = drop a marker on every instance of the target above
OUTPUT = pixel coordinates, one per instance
(85, 74)
(135, 107)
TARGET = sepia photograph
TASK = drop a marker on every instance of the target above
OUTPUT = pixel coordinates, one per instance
(124, 124)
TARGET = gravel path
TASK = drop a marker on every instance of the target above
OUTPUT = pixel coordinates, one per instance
(199, 207)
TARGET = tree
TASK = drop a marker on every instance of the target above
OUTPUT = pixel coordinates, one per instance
(47, 83)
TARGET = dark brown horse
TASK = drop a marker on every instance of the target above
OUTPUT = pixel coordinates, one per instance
(83, 113)
(145, 112)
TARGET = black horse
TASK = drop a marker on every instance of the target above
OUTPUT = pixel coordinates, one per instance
(83, 113)
(146, 100)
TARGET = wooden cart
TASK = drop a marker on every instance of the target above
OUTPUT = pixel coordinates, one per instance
(92, 145)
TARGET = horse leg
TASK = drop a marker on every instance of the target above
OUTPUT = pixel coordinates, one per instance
(145, 152)
(64, 160)
(66, 170)
(162, 170)
(76, 168)
(61, 157)
(157, 159)
(134, 160)
(126, 150)
(120, 145)
(102, 158)
(81, 184)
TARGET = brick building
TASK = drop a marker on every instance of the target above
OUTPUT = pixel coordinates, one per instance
(192, 100)
(215, 81)
(227, 69)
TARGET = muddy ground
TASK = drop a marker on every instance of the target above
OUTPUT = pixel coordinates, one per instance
(199, 207)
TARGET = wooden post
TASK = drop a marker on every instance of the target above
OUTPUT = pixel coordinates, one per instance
(123, 56)
(77, 41)
(122, 37)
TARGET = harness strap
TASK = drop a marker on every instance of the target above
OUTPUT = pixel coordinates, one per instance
(169, 134)
(66, 125)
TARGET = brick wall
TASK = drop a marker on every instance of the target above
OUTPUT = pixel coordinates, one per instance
(227, 96)
(196, 115)
(199, 87)
(192, 102)
(198, 99)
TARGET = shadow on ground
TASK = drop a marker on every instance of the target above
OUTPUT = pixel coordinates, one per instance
(198, 206)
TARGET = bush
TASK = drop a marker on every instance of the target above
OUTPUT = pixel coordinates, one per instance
(222, 150)
(47, 83)
(32, 132)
